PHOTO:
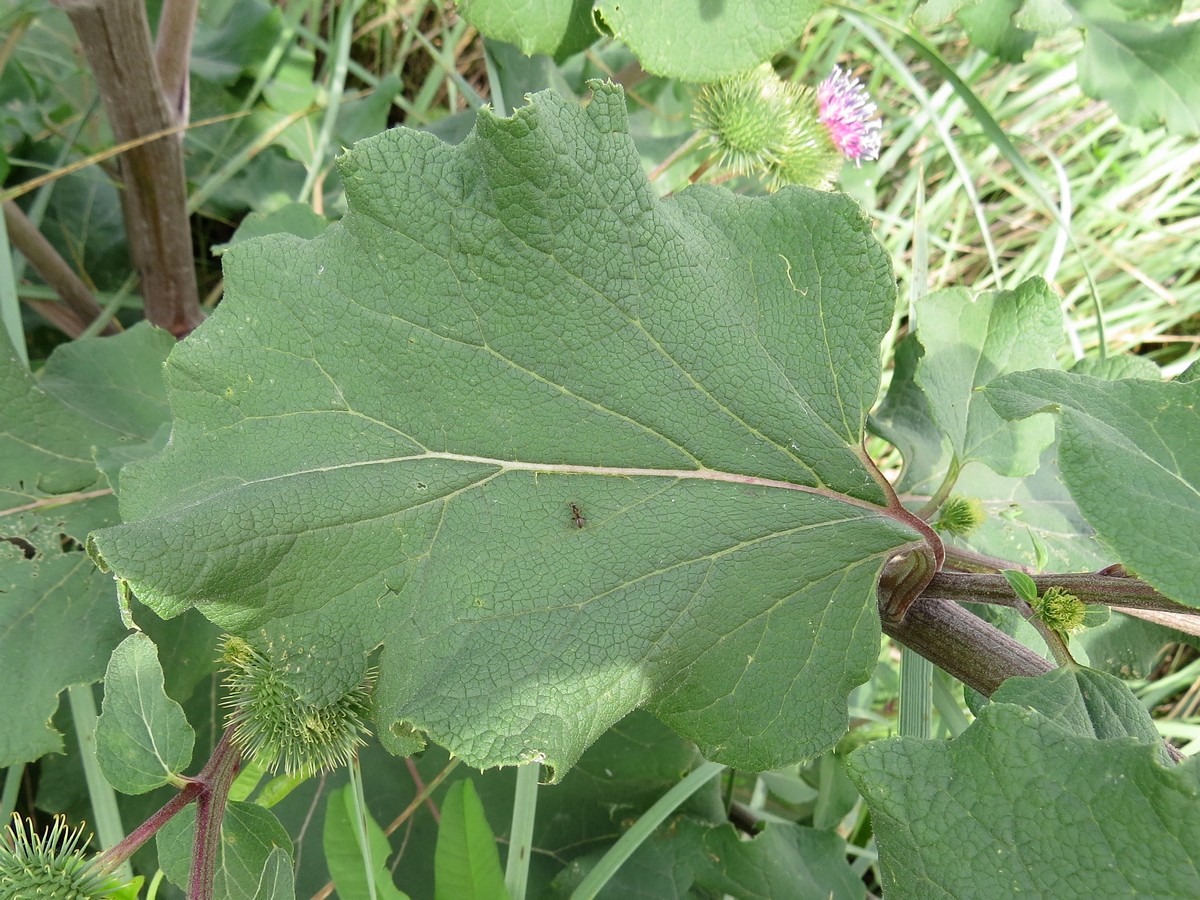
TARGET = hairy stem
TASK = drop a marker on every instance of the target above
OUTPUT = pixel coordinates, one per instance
(1090, 587)
(210, 812)
(959, 642)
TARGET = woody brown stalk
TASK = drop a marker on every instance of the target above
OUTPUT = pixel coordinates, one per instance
(115, 37)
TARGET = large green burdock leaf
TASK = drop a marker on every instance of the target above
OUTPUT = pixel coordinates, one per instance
(556, 28)
(1121, 458)
(562, 448)
(58, 618)
(1020, 805)
(666, 34)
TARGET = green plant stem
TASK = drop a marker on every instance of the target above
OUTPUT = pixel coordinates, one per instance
(520, 842)
(641, 830)
(934, 503)
(100, 792)
(916, 694)
(12, 783)
(360, 828)
(947, 705)
(337, 85)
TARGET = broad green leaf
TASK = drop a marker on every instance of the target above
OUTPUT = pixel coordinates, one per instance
(1145, 72)
(997, 27)
(1021, 807)
(970, 340)
(1125, 646)
(142, 735)
(276, 881)
(735, 37)
(247, 867)
(1114, 368)
(558, 28)
(619, 777)
(689, 858)
(1084, 702)
(990, 25)
(344, 856)
(1119, 451)
(1134, 59)
(467, 862)
(95, 396)
(563, 448)
(781, 861)
(295, 218)
(1031, 514)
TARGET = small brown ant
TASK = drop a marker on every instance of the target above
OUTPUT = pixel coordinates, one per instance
(577, 518)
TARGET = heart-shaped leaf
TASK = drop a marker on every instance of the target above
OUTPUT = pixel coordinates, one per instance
(563, 448)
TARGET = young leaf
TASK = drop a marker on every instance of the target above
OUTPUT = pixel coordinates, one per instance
(1018, 801)
(1119, 454)
(344, 856)
(467, 862)
(1022, 584)
(970, 340)
(277, 881)
(563, 448)
(142, 735)
(248, 867)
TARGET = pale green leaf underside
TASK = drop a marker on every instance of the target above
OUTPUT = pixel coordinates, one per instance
(1029, 808)
(1127, 455)
(380, 433)
(142, 736)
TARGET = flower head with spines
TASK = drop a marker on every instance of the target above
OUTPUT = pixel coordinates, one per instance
(276, 727)
(792, 134)
(51, 866)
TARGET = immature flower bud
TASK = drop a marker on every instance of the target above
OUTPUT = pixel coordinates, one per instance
(51, 866)
(960, 516)
(274, 726)
(1060, 611)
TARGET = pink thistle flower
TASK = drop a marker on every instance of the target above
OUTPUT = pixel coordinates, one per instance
(847, 111)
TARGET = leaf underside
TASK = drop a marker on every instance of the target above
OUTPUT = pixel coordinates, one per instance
(562, 448)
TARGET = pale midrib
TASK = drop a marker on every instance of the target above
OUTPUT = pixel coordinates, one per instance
(508, 465)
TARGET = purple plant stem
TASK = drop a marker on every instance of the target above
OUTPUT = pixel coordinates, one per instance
(210, 812)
